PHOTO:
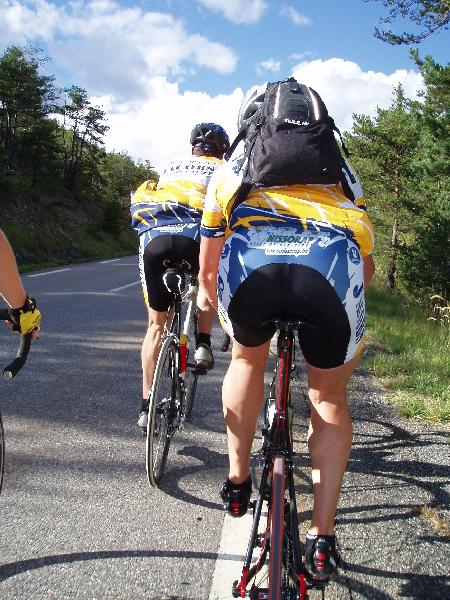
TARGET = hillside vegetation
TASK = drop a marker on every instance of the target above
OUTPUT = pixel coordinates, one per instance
(62, 196)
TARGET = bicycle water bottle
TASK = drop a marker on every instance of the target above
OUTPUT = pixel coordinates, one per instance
(183, 353)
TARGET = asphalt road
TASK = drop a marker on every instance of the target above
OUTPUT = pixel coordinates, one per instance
(79, 521)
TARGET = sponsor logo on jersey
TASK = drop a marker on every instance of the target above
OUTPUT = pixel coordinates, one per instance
(180, 169)
(354, 255)
(175, 228)
(282, 240)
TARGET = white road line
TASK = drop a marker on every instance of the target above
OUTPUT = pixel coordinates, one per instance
(231, 554)
(48, 272)
(123, 287)
(104, 262)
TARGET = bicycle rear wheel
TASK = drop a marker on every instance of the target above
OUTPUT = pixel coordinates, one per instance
(277, 528)
(2, 452)
(162, 411)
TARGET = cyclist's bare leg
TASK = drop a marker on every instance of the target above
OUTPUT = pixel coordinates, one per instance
(329, 440)
(242, 397)
(206, 319)
(150, 347)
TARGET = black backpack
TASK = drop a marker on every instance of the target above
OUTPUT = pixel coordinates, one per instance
(289, 140)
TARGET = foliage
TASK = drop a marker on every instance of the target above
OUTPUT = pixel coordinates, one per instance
(384, 149)
(121, 175)
(429, 15)
(426, 262)
(411, 355)
(83, 129)
(402, 156)
(440, 310)
(52, 159)
(27, 135)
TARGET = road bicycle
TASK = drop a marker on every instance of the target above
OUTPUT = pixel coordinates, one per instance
(274, 546)
(8, 373)
(175, 380)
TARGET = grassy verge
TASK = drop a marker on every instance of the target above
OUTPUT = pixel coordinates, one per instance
(411, 356)
(76, 238)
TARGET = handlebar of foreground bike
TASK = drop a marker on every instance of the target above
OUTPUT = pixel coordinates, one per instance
(25, 342)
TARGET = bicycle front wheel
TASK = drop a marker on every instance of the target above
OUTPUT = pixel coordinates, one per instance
(2, 452)
(162, 411)
(277, 528)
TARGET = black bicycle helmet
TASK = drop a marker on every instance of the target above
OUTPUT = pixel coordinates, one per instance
(250, 106)
(210, 137)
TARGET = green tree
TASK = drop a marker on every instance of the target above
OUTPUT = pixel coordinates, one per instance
(384, 149)
(426, 261)
(121, 175)
(429, 15)
(27, 99)
(83, 129)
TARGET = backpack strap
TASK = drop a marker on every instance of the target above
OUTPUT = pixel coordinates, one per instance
(334, 128)
(241, 194)
(246, 184)
(240, 136)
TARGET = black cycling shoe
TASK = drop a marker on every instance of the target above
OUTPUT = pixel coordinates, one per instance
(321, 557)
(236, 497)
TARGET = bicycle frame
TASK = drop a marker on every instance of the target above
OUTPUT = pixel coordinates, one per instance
(281, 537)
(177, 327)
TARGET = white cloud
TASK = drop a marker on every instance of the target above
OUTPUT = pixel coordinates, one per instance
(291, 13)
(271, 65)
(301, 56)
(109, 48)
(237, 11)
(347, 89)
(158, 128)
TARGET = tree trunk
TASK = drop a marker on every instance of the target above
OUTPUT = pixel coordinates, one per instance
(392, 268)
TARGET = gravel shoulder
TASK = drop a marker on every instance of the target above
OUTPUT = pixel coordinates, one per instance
(393, 521)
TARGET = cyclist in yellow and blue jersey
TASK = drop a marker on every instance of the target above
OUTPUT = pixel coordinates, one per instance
(167, 218)
(301, 251)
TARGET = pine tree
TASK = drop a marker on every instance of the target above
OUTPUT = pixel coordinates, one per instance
(383, 151)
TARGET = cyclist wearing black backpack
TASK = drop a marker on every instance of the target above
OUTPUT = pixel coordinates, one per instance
(284, 232)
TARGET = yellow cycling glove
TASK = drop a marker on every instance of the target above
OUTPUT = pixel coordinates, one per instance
(27, 318)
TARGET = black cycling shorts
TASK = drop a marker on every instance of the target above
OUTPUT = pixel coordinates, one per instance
(152, 267)
(294, 291)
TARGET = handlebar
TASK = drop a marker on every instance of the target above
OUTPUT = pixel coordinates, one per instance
(25, 342)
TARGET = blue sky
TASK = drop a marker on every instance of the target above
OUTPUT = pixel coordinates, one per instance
(158, 67)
